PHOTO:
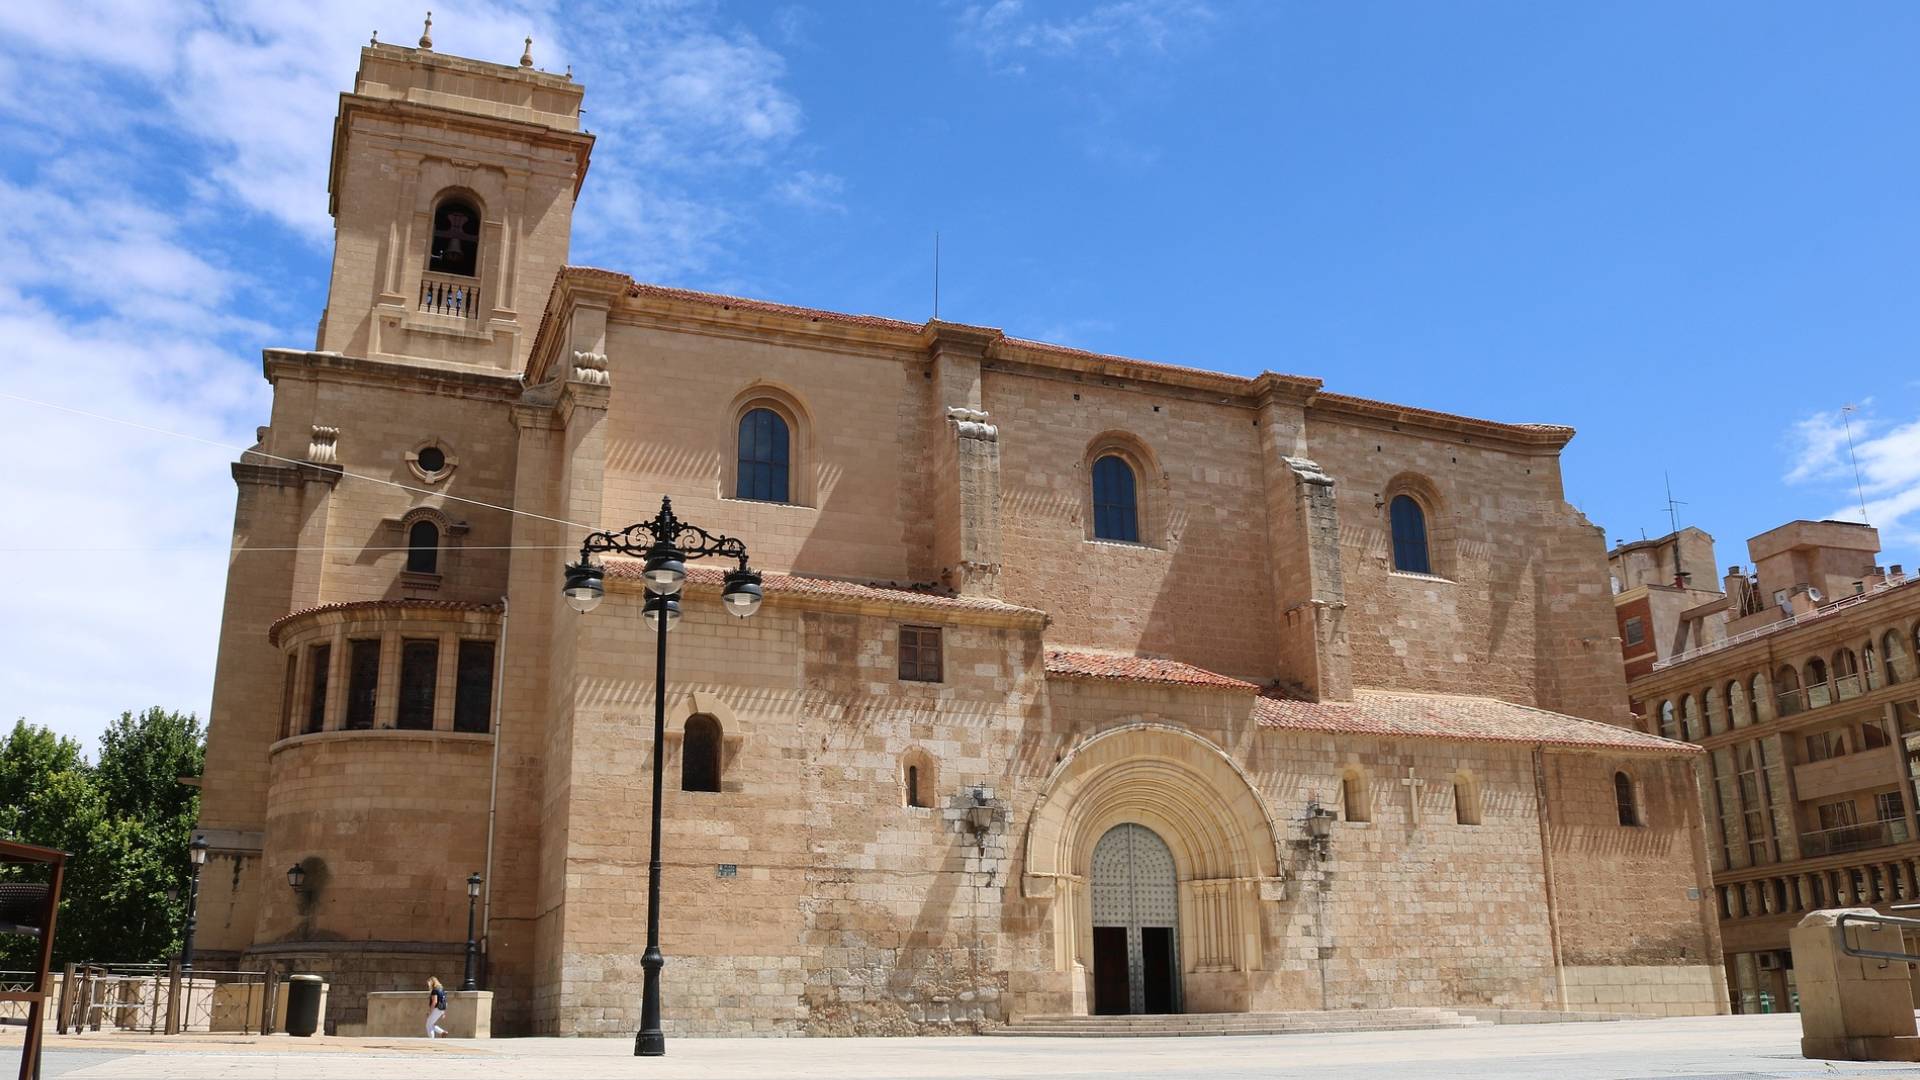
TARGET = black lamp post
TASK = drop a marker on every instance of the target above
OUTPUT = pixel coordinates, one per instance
(666, 543)
(197, 852)
(473, 947)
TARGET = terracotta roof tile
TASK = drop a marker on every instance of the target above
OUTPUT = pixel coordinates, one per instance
(273, 630)
(775, 584)
(1139, 669)
(1443, 716)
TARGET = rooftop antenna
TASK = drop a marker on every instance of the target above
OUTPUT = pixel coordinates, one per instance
(1673, 518)
(936, 275)
(1858, 488)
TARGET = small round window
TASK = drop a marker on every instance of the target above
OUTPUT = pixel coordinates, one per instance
(433, 459)
(431, 462)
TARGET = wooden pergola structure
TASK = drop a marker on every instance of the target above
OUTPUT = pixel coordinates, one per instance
(28, 908)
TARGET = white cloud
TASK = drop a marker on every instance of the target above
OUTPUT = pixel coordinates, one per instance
(1004, 32)
(163, 171)
(1889, 468)
(813, 191)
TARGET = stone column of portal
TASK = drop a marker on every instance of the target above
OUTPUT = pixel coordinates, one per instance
(964, 465)
(1303, 548)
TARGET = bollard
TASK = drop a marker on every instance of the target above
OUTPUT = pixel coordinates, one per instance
(1852, 1008)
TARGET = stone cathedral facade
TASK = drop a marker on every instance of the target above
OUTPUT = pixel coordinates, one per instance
(1083, 684)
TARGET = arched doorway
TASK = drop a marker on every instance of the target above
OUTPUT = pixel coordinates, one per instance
(1136, 909)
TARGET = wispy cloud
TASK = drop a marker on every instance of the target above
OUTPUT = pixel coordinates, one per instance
(1888, 453)
(163, 177)
(1007, 35)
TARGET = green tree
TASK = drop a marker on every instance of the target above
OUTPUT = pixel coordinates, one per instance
(125, 823)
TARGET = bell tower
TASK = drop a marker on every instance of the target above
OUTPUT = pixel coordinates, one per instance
(452, 190)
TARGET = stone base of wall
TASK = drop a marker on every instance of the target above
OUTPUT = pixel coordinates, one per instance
(352, 974)
(1648, 990)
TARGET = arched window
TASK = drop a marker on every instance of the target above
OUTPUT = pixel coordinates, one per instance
(1890, 648)
(1737, 715)
(1623, 799)
(1116, 508)
(1756, 697)
(700, 754)
(764, 454)
(1353, 797)
(1669, 728)
(423, 548)
(1466, 801)
(456, 238)
(1409, 536)
(918, 778)
(1689, 719)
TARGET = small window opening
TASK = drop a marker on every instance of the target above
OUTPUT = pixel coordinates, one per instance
(319, 659)
(1466, 803)
(1409, 524)
(920, 649)
(915, 797)
(1353, 798)
(473, 687)
(765, 455)
(363, 682)
(423, 548)
(419, 671)
(700, 755)
(431, 458)
(1623, 799)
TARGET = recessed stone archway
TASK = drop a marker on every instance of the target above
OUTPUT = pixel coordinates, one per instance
(1225, 850)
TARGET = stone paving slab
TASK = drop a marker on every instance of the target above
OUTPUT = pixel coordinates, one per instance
(1702, 1048)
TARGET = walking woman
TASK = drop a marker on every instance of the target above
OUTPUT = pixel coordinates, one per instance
(436, 1008)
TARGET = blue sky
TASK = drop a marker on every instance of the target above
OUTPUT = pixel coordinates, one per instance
(1687, 230)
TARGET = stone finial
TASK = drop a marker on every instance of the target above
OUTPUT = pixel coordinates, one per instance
(375, 39)
(320, 451)
(590, 367)
(526, 57)
(426, 34)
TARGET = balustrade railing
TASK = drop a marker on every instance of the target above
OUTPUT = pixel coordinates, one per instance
(442, 294)
(1789, 703)
(1847, 686)
(1847, 838)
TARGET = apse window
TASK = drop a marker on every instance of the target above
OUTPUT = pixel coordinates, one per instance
(1409, 523)
(1116, 509)
(1624, 804)
(920, 649)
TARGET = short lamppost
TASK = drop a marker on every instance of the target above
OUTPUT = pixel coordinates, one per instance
(473, 948)
(666, 543)
(197, 852)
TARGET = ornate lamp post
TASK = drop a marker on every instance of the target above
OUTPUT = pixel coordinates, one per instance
(197, 852)
(473, 948)
(666, 543)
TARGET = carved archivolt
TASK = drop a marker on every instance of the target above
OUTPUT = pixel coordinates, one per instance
(1194, 797)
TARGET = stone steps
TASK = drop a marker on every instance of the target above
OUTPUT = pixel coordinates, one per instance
(1289, 1023)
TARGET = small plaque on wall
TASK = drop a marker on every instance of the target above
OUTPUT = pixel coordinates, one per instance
(727, 869)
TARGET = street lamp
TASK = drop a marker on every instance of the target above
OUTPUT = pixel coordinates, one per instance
(667, 543)
(296, 877)
(197, 853)
(473, 948)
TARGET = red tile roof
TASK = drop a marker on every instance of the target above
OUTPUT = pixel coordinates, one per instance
(1442, 716)
(1139, 669)
(273, 630)
(777, 584)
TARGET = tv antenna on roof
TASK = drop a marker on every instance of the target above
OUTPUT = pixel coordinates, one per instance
(1673, 504)
(936, 275)
(1858, 488)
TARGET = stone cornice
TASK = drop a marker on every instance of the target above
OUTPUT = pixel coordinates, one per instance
(579, 143)
(463, 381)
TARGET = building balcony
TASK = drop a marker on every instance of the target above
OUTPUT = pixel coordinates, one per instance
(1790, 703)
(1846, 838)
(1847, 686)
(450, 295)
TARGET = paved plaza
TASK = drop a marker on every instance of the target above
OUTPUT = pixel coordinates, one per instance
(1721, 1048)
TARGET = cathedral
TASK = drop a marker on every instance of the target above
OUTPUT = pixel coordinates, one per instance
(1080, 684)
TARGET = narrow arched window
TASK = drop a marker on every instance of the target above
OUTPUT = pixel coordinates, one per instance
(915, 797)
(423, 548)
(764, 454)
(1116, 507)
(1409, 536)
(700, 755)
(1623, 799)
(1466, 802)
(1353, 798)
(456, 238)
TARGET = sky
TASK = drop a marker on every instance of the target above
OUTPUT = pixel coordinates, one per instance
(1687, 230)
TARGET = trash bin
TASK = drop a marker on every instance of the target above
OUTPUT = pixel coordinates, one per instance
(303, 1004)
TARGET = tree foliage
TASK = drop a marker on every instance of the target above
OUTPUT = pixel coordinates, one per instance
(125, 822)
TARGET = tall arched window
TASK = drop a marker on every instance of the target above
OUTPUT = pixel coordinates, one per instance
(456, 238)
(423, 548)
(764, 454)
(1623, 799)
(1466, 800)
(1409, 524)
(1116, 508)
(700, 755)
(1354, 804)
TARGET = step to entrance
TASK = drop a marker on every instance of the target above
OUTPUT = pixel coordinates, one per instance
(1287, 1023)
